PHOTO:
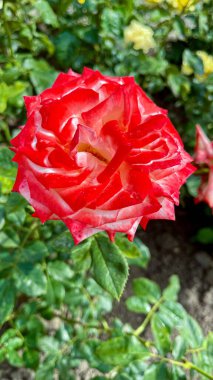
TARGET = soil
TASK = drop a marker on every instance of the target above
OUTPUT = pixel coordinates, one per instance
(173, 251)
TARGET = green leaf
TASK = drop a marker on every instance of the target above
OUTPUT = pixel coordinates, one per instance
(179, 27)
(129, 249)
(14, 359)
(143, 260)
(15, 202)
(192, 332)
(153, 65)
(7, 264)
(137, 305)
(33, 252)
(9, 239)
(172, 314)
(8, 168)
(109, 266)
(192, 60)
(7, 335)
(31, 358)
(157, 371)
(147, 289)
(47, 367)
(121, 350)
(205, 235)
(172, 290)
(179, 84)
(178, 373)
(55, 291)
(81, 256)
(42, 75)
(14, 343)
(179, 347)
(2, 217)
(7, 299)
(59, 270)
(62, 241)
(49, 344)
(46, 13)
(192, 184)
(65, 42)
(17, 218)
(32, 284)
(209, 345)
(4, 91)
(161, 335)
(16, 92)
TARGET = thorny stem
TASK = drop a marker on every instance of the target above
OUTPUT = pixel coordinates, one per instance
(148, 318)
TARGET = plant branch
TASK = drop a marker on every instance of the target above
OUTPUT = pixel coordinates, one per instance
(148, 318)
(7, 29)
(30, 231)
(186, 364)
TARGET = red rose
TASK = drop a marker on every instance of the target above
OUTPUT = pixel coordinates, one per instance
(99, 155)
(204, 157)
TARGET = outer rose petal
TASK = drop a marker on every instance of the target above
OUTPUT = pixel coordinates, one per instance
(205, 192)
(204, 156)
(203, 147)
(99, 155)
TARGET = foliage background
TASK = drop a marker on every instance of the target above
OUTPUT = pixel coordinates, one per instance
(42, 278)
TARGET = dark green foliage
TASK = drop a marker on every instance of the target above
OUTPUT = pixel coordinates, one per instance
(41, 37)
(55, 297)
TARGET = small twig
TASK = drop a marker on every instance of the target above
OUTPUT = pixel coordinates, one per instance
(148, 318)
(186, 364)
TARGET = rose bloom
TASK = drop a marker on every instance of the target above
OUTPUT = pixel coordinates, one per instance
(99, 155)
(204, 157)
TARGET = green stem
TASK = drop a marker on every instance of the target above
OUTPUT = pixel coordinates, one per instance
(199, 370)
(186, 364)
(30, 231)
(195, 350)
(148, 318)
(7, 29)
(72, 321)
(201, 171)
(6, 132)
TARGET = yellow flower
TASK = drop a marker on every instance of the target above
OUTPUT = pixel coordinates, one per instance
(207, 64)
(81, 1)
(140, 35)
(154, 1)
(181, 5)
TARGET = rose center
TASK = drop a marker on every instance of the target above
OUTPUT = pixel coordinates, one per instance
(82, 147)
